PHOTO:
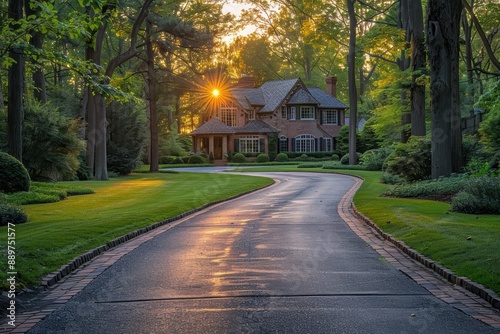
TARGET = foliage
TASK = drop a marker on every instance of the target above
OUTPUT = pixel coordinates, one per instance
(374, 159)
(281, 157)
(342, 141)
(480, 196)
(411, 160)
(263, 157)
(304, 157)
(338, 165)
(272, 145)
(367, 139)
(310, 165)
(335, 157)
(388, 178)
(478, 168)
(317, 155)
(127, 137)
(51, 143)
(490, 127)
(13, 176)
(196, 159)
(173, 144)
(442, 189)
(345, 159)
(11, 214)
(238, 157)
(42, 192)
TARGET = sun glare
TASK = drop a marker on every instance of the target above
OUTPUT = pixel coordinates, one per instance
(215, 92)
(212, 90)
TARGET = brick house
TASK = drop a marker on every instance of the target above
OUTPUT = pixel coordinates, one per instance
(279, 116)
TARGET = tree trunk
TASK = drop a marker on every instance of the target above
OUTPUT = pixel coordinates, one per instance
(91, 117)
(403, 64)
(2, 102)
(36, 40)
(351, 75)
(417, 64)
(151, 96)
(15, 89)
(443, 24)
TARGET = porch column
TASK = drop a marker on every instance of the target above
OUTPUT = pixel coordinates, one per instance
(197, 144)
(211, 144)
(224, 147)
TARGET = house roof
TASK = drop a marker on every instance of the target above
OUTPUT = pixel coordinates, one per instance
(325, 100)
(274, 92)
(302, 96)
(213, 126)
(256, 126)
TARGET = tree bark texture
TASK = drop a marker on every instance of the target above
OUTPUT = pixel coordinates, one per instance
(417, 64)
(15, 90)
(443, 26)
(404, 64)
(351, 75)
(151, 96)
(36, 40)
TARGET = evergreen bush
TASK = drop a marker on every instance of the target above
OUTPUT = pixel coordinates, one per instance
(196, 159)
(263, 157)
(11, 214)
(480, 195)
(374, 159)
(411, 160)
(345, 158)
(335, 157)
(13, 176)
(281, 157)
(238, 157)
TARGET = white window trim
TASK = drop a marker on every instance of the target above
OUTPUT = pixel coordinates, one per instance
(283, 112)
(325, 117)
(305, 143)
(227, 115)
(310, 109)
(249, 144)
(293, 113)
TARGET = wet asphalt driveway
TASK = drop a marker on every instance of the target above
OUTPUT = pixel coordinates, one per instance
(277, 261)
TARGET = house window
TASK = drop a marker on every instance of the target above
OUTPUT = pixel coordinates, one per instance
(283, 144)
(251, 115)
(228, 115)
(305, 143)
(293, 113)
(283, 112)
(330, 117)
(249, 144)
(307, 113)
(327, 144)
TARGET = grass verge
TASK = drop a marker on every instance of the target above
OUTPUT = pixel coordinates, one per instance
(58, 232)
(430, 228)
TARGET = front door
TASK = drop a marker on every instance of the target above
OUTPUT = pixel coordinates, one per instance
(218, 148)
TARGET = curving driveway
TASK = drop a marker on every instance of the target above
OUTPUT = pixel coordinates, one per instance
(280, 260)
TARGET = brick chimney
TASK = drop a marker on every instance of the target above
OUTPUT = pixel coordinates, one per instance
(331, 86)
(246, 82)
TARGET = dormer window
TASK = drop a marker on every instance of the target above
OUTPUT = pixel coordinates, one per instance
(227, 115)
(307, 113)
(251, 115)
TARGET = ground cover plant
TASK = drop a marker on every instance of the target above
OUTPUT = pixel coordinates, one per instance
(464, 243)
(58, 232)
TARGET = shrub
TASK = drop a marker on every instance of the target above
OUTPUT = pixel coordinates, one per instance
(374, 159)
(13, 176)
(166, 160)
(440, 189)
(178, 161)
(480, 196)
(282, 157)
(263, 158)
(238, 157)
(335, 157)
(196, 159)
(51, 143)
(304, 156)
(411, 160)
(11, 214)
(345, 158)
(127, 133)
(311, 165)
(391, 179)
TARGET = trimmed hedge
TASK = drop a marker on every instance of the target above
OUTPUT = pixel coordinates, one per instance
(282, 157)
(480, 196)
(13, 176)
(263, 158)
(196, 159)
(11, 214)
(238, 157)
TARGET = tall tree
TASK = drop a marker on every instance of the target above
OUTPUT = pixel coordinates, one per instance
(36, 41)
(443, 27)
(16, 87)
(353, 98)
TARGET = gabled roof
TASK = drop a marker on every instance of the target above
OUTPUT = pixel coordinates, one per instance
(325, 100)
(213, 126)
(302, 96)
(274, 92)
(256, 126)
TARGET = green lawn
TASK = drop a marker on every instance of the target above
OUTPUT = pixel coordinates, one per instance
(430, 228)
(58, 232)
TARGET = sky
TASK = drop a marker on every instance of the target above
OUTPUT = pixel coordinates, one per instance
(236, 9)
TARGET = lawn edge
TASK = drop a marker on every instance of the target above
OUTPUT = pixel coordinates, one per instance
(66, 270)
(462, 281)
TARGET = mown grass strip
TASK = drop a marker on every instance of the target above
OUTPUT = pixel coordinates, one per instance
(466, 244)
(58, 232)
